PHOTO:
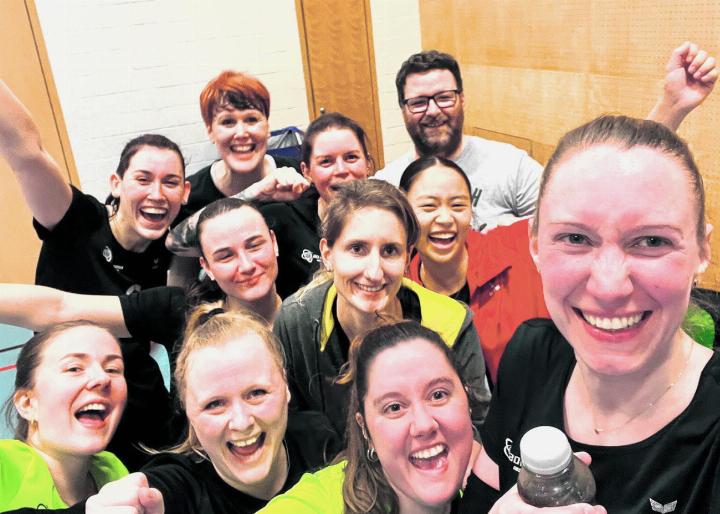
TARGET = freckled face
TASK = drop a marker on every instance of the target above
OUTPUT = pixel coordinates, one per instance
(417, 418)
(368, 260)
(617, 250)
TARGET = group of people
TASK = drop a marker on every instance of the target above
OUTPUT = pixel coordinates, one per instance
(357, 345)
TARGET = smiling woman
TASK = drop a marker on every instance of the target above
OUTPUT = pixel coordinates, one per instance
(368, 231)
(68, 399)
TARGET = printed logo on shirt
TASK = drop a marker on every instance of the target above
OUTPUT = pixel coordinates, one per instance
(133, 289)
(156, 263)
(659, 507)
(107, 254)
(514, 459)
(308, 256)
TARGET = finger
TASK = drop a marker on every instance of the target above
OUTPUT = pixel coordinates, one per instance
(697, 62)
(151, 500)
(584, 457)
(710, 78)
(691, 53)
(677, 57)
(705, 68)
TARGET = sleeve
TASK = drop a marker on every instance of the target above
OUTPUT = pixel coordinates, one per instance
(156, 314)
(282, 328)
(82, 217)
(471, 364)
(527, 185)
(315, 493)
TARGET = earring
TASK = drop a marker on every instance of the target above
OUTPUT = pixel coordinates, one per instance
(371, 454)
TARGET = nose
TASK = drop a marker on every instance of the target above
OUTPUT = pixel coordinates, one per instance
(156, 191)
(241, 418)
(423, 423)
(443, 215)
(240, 129)
(245, 264)
(609, 280)
(98, 378)
(341, 167)
(373, 266)
(432, 108)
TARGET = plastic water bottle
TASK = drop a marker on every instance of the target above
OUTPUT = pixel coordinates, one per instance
(551, 476)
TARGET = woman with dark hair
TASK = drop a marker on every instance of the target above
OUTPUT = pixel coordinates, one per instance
(492, 273)
(67, 401)
(409, 432)
(368, 232)
(334, 151)
(613, 369)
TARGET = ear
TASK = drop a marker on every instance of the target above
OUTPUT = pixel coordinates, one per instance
(305, 171)
(326, 253)
(274, 243)
(705, 252)
(361, 422)
(409, 252)
(209, 130)
(204, 265)
(533, 238)
(25, 404)
(289, 396)
(115, 185)
(186, 192)
(462, 99)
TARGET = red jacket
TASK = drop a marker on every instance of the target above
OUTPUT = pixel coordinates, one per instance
(505, 287)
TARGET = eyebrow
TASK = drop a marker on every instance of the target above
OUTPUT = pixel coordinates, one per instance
(80, 355)
(430, 385)
(639, 228)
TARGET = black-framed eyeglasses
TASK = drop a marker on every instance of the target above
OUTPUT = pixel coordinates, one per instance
(443, 100)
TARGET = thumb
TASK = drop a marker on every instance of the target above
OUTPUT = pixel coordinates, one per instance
(151, 500)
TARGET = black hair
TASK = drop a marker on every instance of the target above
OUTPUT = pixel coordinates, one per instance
(415, 169)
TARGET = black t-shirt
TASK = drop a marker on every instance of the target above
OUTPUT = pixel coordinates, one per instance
(203, 190)
(80, 254)
(680, 463)
(297, 229)
(156, 314)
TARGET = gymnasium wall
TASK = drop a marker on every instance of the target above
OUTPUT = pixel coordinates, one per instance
(534, 69)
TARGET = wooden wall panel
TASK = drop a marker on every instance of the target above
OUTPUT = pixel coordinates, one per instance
(534, 69)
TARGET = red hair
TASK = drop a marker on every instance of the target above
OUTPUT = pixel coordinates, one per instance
(236, 89)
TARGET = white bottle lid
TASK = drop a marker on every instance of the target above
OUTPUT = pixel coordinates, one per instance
(545, 450)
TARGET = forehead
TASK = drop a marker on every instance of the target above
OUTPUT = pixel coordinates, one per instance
(428, 83)
(234, 365)
(438, 180)
(93, 341)
(161, 161)
(407, 365)
(233, 226)
(226, 109)
(370, 223)
(639, 185)
(335, 140)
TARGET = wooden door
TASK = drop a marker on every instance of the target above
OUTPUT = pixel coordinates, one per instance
(25, 68)
(339, 60)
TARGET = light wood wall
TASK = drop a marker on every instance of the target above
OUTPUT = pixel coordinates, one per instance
(534, 69)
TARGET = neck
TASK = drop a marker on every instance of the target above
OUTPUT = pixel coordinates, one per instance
(267, 306)
(230, 183)
(408, 506)
(355, 322)
(126, 237)
(445, 277)
(70, 474)
(322, 208)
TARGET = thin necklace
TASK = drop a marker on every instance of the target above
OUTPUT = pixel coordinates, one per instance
(649, 406)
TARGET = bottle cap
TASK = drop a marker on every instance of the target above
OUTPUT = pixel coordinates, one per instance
(545, 450)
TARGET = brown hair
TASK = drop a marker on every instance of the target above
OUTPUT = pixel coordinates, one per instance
(332, 121)
(233, 89)
(365, 488)
(627, 133)
(28, 361)
(211, 325)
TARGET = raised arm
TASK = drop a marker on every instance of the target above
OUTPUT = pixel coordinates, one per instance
(40, 307)
(691, 76)
(46, 190)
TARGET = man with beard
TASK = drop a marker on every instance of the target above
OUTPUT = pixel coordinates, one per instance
(504, 178)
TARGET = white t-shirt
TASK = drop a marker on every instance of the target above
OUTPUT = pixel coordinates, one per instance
(504, 179)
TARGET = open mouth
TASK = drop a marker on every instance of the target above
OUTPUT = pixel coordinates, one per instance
(433, 123)
(246, 447)
(430, 458)
(242, 148)
(614, 323)
(92, 414)
(370, 288)
(445, 239)
(154, 214)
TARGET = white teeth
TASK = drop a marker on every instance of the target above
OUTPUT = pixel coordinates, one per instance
(154, 210)
(93, 406)
(617, 323)
(429, 453)
(369, 289)
(245, 442)
(443, 237)
(241, 148)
